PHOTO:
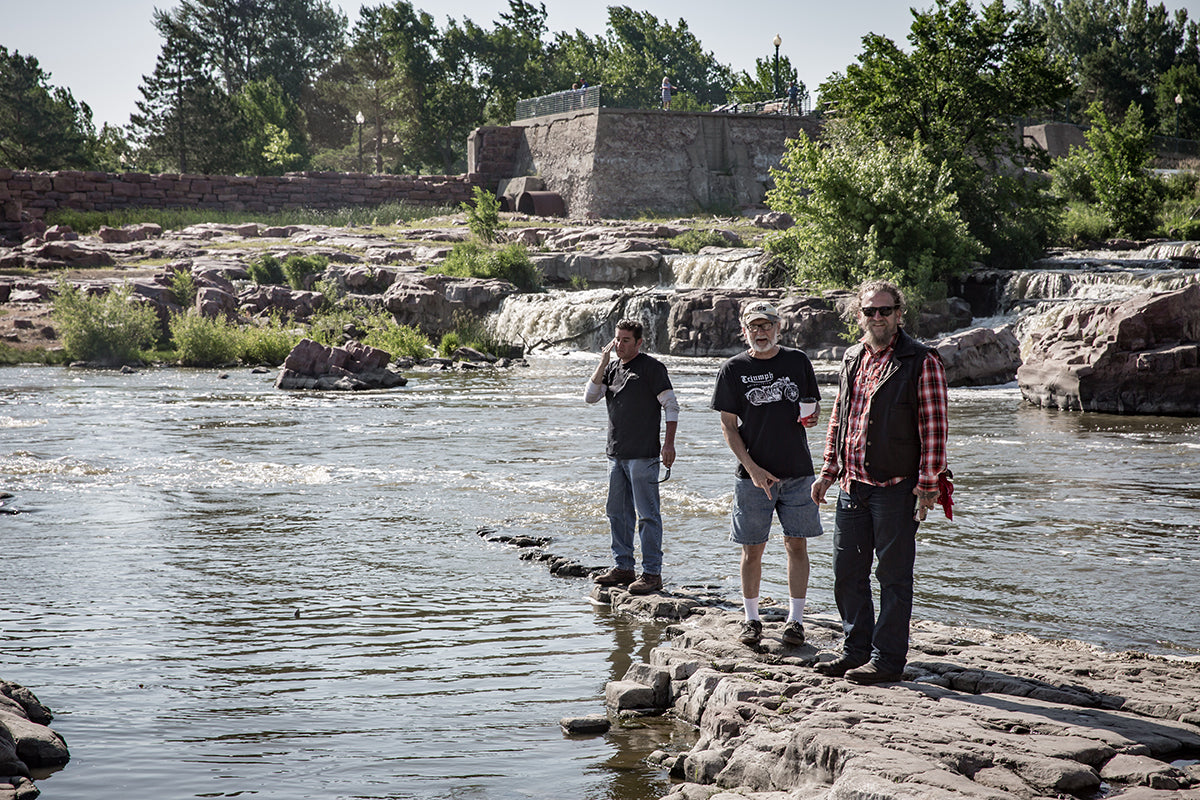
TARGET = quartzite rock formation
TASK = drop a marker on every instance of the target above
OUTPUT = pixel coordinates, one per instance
(351, 367)
(1141, 356)
(25, 742)
(978, 715)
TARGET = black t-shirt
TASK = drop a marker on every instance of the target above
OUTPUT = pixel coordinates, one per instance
(631, 393)
(765, 395)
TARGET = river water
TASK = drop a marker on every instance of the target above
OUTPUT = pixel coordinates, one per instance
(227, 590)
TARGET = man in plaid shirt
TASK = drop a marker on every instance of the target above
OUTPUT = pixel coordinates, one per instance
(886, 447)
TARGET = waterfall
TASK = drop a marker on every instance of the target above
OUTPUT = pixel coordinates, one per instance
(723, 267)
(581, 319)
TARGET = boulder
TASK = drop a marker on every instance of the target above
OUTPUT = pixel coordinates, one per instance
(980, 356)
(1140, 356)
(707, 322)
(599, 268)
(351, 367)
(423, 308)
(212, 303)
(294, 303)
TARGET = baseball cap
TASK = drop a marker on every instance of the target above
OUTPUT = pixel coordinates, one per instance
(760, 309)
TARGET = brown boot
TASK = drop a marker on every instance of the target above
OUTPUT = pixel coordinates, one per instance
(615, 577)
(646, 584)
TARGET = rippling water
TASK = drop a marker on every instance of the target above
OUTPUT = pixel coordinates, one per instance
(223, 589)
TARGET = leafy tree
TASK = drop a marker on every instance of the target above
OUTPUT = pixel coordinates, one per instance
(1117, 51)
(869, 209)
(1119, 168)
(761, 86)
(274, 124)
(1183, 118)
(185, 121)
(512, 57)
(241, 41)
(966, 77)
(42, 127)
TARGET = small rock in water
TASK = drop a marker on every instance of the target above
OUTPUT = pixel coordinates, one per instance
(591, 724)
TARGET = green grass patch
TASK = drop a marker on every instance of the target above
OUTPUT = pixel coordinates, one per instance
(474, 260)
(177, 218)
(695, 240)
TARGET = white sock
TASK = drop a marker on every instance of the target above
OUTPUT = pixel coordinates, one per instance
(751, 604)
(797, 610)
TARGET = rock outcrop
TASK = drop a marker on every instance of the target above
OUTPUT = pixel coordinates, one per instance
(352, 367)
(1141, 356)
(980, 356)
(26, 743)
(978, 715)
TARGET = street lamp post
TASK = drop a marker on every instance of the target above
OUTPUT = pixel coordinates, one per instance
(1178, 103)
(777, 41)
(360, 119)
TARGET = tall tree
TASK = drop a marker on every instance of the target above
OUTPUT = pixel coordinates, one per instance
(252, 40)
(185, 121)
(42, 127)
(966, 77)
(1117, 51)
(765, 84)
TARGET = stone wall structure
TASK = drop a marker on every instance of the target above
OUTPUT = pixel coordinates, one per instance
(609, 162)
(34, 194)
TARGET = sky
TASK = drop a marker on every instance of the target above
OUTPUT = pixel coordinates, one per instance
(100, 49)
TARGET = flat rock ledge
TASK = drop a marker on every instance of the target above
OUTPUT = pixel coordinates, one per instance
(978, 715)
(25, 742)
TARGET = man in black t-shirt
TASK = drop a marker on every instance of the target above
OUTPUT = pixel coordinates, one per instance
(767, 396)
(637, 392)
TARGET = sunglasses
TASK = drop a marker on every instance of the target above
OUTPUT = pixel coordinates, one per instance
(760, 326)
(666, 477)
(883, 311)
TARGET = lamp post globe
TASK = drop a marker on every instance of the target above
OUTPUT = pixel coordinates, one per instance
(360, 119)
(778, 40)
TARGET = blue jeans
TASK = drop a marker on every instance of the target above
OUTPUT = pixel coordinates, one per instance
(633, 504)
(875, 521)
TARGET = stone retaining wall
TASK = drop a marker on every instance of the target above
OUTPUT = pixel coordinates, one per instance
(34, 194)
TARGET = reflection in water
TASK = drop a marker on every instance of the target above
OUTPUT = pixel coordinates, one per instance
(237, 589)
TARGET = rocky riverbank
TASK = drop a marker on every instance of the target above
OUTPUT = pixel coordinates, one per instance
(27, 745)
(978, 714)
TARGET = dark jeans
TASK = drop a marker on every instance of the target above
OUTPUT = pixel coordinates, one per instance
(875, 521)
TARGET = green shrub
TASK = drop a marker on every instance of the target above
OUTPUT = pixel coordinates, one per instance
(297, 267)
(399, 340)
(203, 342)
(869, 209)
(1119, 165)
(267, 269)
(109, 328)
(183, 288)
(483, 215)
(1070, 179)
(268, 343)
(1181, 186)
(474, 260)
(694, 240)
(470, 331)
(1084, 223)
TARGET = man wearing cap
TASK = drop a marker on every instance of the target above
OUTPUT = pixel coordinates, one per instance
(638, 394)
(886, 449)
(759, 394)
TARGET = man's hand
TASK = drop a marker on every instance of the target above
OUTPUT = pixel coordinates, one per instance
(925, 503)
(762, 479)
(668, 455)
(606, 351)
(819, 487)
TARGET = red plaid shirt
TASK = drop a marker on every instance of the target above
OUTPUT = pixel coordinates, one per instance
(931, 421)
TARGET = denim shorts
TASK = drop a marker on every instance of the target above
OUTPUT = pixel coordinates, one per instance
(791, 500)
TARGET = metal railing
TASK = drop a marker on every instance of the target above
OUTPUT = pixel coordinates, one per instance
(559, 102)
(641, 97)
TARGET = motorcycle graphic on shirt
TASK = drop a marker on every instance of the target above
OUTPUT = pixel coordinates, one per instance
(782, 389)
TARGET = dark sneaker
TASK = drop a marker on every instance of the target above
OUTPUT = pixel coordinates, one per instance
(793, 634)
(871, 673)
(838, 667)
(615, 577)
(751, 632)
(646, 584)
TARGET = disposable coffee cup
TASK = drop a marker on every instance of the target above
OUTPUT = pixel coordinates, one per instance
(808, 406)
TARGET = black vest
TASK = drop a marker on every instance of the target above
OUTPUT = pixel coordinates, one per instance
(893, 434)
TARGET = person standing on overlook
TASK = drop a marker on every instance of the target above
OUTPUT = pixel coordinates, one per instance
(666, 93)
(886, 446)
(767, 396)
(638, 393)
